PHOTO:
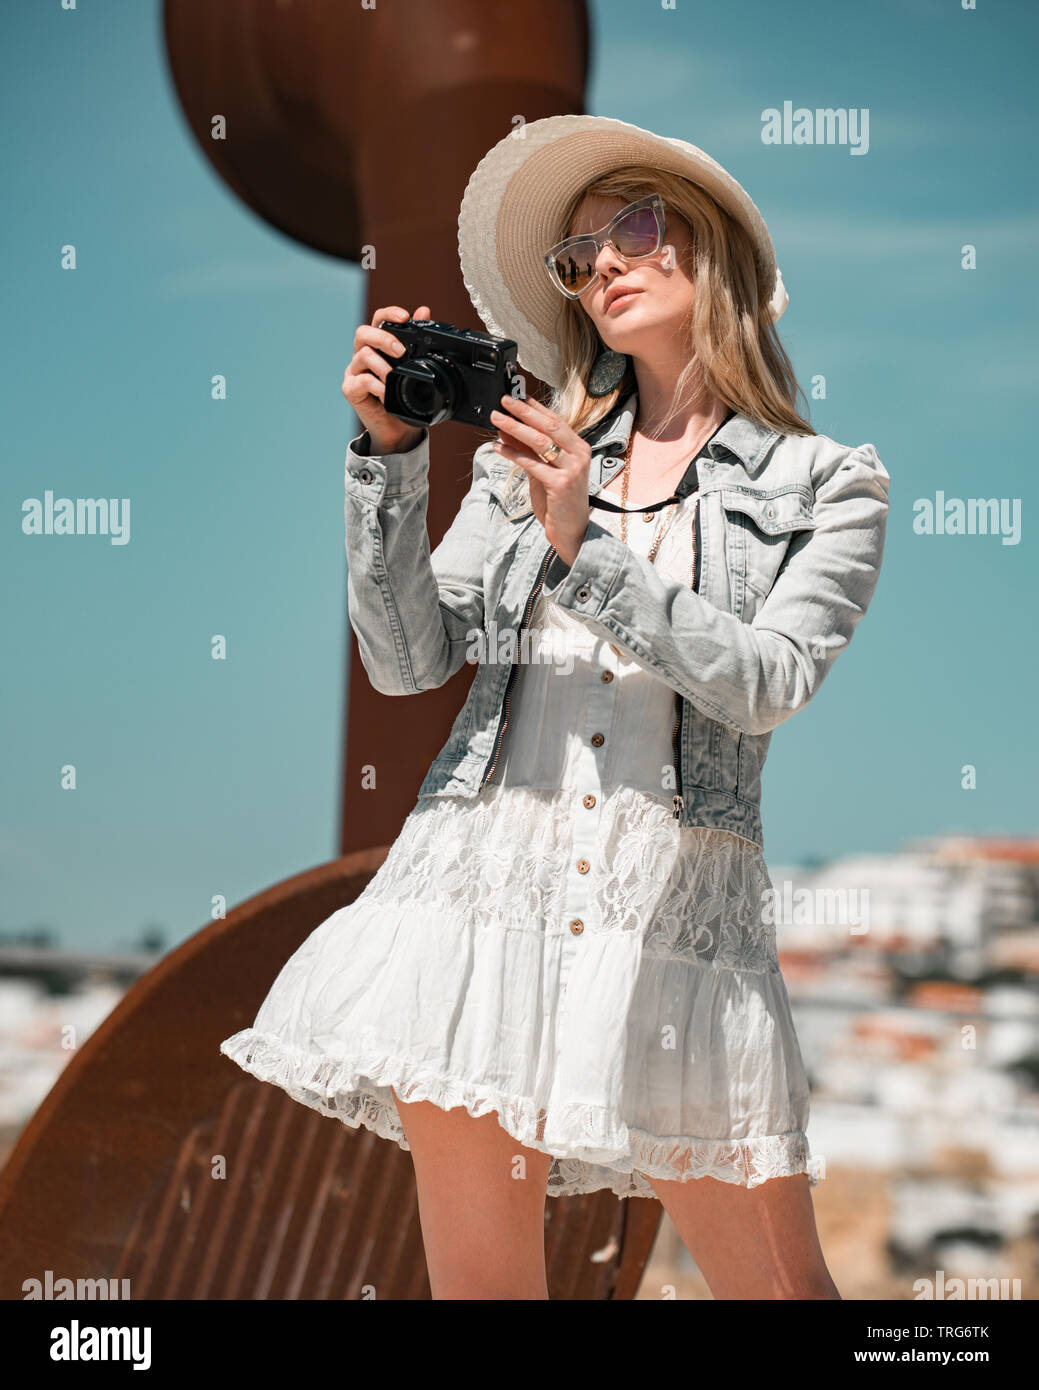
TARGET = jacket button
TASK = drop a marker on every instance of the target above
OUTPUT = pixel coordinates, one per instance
(365, 475)
(770, 511)
(583, 593)
(577, 927)
(597, 740)
(583, 866)
(606, 677)
(589, 801)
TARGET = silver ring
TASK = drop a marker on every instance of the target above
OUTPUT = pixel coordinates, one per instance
(552, 452)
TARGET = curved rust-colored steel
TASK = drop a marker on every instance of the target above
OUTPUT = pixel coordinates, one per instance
(347, 128)
(114, 1175)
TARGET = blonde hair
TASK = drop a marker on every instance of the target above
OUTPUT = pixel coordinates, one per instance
(734, 350)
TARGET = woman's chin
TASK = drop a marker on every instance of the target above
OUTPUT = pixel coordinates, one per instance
(627, 340)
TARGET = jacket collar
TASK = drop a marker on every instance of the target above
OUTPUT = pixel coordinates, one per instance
(744, 438)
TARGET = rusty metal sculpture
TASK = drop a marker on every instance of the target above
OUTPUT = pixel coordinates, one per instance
(152, 1158)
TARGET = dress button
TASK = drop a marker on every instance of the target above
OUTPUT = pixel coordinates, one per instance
(577, 927)
(589, 801)
(606, 677)
(583, 593)
(597, 740)
(365, 475)
(583, 866)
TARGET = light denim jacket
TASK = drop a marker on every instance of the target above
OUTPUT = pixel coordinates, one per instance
(790, 534)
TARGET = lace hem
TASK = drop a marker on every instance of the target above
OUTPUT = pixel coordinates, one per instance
(603, 1155)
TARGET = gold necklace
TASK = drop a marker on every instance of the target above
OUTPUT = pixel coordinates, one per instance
(661, 530)
(654, 547)
(625, 475)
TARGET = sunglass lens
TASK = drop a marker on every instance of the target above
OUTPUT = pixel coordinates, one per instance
(636, 233)
(576, 266)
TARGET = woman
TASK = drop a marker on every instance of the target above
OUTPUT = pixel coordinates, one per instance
(564, 975)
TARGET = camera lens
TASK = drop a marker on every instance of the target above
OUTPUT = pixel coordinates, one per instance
(423, 390)
(418, 396)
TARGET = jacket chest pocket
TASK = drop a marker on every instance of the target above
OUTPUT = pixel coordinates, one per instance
(759, 526)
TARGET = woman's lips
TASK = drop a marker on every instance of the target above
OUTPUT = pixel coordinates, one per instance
(624, 298)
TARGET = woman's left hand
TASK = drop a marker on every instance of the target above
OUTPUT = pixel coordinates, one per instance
(558, 490)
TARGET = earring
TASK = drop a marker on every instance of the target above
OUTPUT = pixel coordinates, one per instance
(669, 261)
(607, 373)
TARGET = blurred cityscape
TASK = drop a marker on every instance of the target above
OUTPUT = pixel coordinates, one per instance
(914, 982)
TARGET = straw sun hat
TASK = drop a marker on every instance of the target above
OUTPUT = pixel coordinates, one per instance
(513, 207)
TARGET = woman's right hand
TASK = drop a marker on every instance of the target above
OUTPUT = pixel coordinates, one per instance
(364, 383)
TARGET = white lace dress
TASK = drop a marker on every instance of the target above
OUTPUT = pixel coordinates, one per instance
(558, 949)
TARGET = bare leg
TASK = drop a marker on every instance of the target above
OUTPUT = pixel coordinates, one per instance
(481, 1197)
(750, 1243)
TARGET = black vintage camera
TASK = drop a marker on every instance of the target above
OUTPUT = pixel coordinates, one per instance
(448, 373)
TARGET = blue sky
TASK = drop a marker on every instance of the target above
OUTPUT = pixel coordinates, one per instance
(198, 776)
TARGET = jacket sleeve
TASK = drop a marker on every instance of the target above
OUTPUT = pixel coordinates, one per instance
(413, 612)
(750, 676)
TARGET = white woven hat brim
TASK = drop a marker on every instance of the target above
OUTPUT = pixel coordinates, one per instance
(513, 203)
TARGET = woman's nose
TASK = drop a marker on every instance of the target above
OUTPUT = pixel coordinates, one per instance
(607, 259)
